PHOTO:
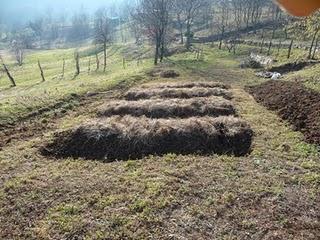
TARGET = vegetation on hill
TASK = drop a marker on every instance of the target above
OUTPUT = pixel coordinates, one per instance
(198, 157)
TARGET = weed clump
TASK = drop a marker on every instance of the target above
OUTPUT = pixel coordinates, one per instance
(123, 138)
(136, 94)
(170, 108)
(169, 74)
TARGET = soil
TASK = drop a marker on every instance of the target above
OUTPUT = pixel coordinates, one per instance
(293, 102)
(292, 67)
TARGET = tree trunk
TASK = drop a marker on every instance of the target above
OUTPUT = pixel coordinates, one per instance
(124, 63)
(162, 47)
(221, 37)
(180, 28)
(89, 66)
(234, 47)
(41, 71)
(97, 62)
(63, 68)
(290, 49)
(269, 48)
(286, 32)
(262, 44)
(156, 55)
(315, 48)
(312, 44)
(77, 58)
(273, 33)
(279, 47)
(104, 56)
(189, 37)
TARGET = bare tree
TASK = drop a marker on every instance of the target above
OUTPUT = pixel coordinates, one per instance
(190, 9)
(102, 32)
(290, 49)
(222, 18)
(18, 51)
(154, 15)
(180, 19)
(247, 12)
(136, 30)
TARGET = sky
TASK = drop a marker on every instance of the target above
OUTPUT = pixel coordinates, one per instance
(18, 12)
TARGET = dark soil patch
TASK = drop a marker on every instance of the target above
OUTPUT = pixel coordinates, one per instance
(293, 102)
(159, 108)
(137, 94)
(123, 138)
(292, 67)
(188, 85)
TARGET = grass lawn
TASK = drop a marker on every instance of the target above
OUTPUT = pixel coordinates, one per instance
(31, 93)
(273, 193)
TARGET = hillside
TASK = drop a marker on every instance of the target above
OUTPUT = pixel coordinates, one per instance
(271, 192)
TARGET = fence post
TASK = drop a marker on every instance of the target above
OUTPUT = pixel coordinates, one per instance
(41, 71)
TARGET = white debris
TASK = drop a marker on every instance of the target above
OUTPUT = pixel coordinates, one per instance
(272, 75)
(276, 76)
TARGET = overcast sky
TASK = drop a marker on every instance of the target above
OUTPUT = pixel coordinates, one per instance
(21, 11)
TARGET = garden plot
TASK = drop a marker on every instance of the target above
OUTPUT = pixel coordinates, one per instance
(165, 120)
(188, 85)
(123, 138)
(170, 108)
(137, 94)
(293, 102)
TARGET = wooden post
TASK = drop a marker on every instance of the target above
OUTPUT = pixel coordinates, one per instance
(89, 66)
(269, 48)
(290, 49)
(97, 62)
(13, 83)
(315, 48)
(123, 63)
(312, 44)
(262, 43)
(41, 71)
(63, 67)
(279, 46)
(77, 58)
(104, 55)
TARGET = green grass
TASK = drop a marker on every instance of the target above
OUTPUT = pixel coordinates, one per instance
(308, 76)
(31, 93)
(271, 193)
